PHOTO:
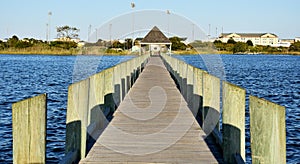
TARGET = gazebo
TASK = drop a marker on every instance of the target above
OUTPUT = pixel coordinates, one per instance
(156, 41)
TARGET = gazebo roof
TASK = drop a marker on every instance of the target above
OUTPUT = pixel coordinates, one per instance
(155, 36)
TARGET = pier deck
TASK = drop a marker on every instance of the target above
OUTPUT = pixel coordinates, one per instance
(153, 124)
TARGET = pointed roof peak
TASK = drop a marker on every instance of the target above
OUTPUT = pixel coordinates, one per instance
(155, 36)
(155, 28)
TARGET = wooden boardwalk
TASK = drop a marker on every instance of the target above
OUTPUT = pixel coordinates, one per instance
(153, 124)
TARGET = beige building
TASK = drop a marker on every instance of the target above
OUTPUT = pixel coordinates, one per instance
(265, 39)
(66, 39)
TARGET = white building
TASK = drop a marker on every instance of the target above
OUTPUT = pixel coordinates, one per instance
(264, 39)
(66, 39)
(297, 39)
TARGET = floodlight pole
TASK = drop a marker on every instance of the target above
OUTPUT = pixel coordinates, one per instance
(89, 32)
(49, 26)
(132, 6)
(168, 12)
(110, 26)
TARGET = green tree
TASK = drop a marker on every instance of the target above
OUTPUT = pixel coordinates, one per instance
(67, 32)
(3, 45)
(240, 47)
(128, 43)
(117, 44)
(220, 46)
(11, 42)
(231, 41)
(63, 45)
(295, 47)
(249, 43)
(217, 41)
(23, 44)
(177, 44)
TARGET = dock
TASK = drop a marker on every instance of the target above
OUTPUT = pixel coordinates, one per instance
(154, 108)
(153, 124)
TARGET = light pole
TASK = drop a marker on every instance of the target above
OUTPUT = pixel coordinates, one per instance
(168, 12)
(110, 26)
(132, 6)
(47, 31)
(89, 32)
(96, 35)
(49, 26)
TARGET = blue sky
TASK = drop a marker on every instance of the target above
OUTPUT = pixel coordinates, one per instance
(29, 18)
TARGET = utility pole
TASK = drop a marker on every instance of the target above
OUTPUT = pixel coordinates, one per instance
(89, 32)
(96, 35)
(110, 26)
(47, 31)
(132, 6)
(49, 26)
(168, 12)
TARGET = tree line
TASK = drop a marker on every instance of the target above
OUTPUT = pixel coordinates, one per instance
(16, 43)
(63, 32)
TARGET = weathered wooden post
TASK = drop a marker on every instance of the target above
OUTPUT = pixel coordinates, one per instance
(183, 74)
(109, 88)
(29, 119)
(211, 105)
(233, 122)
(198, 92)
(267, 129)
(190, 85)
(77, 118)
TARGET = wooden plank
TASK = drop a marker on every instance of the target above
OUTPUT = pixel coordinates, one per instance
(268, 131)
(233, 121)
(29, 130)
(153, 124)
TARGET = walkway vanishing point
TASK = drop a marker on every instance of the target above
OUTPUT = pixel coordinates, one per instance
(155, 129)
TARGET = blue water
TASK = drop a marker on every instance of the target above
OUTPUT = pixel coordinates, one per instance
(24, 76)
(273, 77)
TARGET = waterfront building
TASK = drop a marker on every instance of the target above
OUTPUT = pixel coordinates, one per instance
(264, 39)
(67, 39)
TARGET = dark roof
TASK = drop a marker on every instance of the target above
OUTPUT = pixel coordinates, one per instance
(155, 36)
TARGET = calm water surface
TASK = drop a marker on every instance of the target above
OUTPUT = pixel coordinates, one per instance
(24, 76)
(273, 77)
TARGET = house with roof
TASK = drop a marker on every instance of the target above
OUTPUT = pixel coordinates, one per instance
(156, 42)
(264, 39)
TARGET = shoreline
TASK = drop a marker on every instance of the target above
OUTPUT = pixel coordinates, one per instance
(80, 53)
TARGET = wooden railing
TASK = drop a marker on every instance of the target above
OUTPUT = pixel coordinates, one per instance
(267, 120)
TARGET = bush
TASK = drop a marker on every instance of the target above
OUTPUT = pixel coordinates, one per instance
(231, 41)
(63, 45)
(240, 47)
(177, 44)
(249, 43)
(295, 46)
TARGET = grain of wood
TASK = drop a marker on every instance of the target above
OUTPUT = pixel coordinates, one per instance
(153, 124)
